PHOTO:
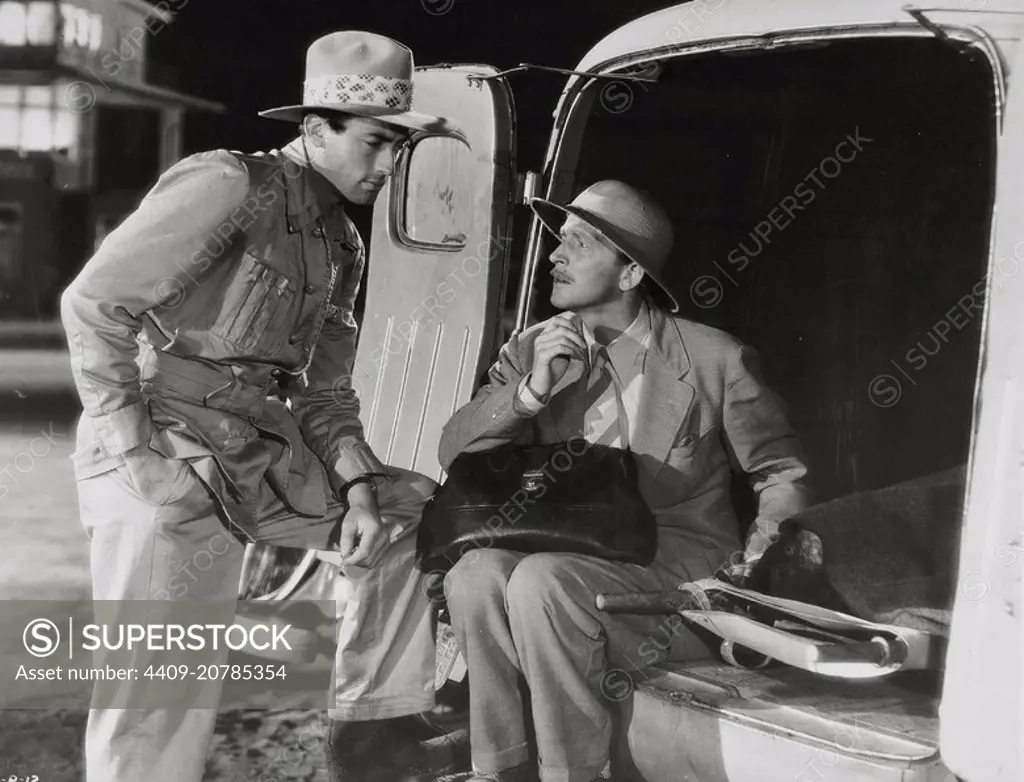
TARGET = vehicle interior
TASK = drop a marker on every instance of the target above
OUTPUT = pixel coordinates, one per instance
(862, 274)
(851, 300)
(866, 307)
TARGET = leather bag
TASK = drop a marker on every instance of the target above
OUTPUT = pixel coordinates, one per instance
(571, 497)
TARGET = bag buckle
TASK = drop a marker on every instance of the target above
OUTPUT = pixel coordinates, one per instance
(533, 481)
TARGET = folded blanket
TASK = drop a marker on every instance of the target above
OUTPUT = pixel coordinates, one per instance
(888, 555)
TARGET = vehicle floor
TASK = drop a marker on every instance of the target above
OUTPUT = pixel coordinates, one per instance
(904, 704)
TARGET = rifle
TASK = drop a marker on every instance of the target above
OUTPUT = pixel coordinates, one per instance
(816, 639)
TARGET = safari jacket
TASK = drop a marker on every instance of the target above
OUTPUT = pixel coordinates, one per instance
(703, 409)
(237, 275)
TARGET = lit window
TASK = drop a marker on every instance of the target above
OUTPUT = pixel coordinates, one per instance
(10, 126)
(67, 26)
(39, 96)
(31, 24)
(36, 129)
(439, 193)
(32, 119)
(41, 23)
(10, 95)
(13, 29)
(95, 32)
(65, 131)
(81, 27)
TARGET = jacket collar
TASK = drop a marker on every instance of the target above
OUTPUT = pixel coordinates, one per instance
(308, 195)
(665, 404)
(667, 343)
(666, 398)
(628, 346)
(664, 343)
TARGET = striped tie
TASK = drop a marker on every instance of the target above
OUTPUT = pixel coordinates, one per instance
(603, 407)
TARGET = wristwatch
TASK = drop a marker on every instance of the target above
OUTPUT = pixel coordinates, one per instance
(369, 480)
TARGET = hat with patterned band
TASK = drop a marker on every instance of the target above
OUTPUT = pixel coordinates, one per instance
(366, 75)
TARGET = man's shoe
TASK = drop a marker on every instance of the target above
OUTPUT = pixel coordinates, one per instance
(390, 751)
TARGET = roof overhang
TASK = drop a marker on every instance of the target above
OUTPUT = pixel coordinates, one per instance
(125, 91)
(174, 98)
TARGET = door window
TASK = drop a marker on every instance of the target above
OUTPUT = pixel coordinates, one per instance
(437, 202)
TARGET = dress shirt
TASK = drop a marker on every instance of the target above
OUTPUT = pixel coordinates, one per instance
(615, 379)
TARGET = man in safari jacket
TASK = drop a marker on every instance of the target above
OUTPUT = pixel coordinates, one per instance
(236, 277)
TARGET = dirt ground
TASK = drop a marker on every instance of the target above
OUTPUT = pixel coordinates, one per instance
(44, 555)
(253, 745)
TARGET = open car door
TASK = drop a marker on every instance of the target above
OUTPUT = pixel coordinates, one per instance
(981, 716)
(438, 264)
(434, 292)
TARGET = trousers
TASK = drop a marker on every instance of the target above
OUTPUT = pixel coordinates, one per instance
(532, 620)
(175, 547)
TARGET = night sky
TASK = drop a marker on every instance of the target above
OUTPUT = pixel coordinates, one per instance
(249, 59)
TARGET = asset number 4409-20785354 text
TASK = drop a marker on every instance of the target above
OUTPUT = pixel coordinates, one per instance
(216, 672)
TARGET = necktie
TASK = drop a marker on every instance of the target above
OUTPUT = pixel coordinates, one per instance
(603, 411)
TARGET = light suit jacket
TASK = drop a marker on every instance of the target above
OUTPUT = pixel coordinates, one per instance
(703, 412)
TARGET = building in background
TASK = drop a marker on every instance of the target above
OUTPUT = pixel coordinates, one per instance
(86, 127)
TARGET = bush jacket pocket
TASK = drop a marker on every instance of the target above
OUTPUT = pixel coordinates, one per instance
(255, 309)
(90, 462)
(158, 479)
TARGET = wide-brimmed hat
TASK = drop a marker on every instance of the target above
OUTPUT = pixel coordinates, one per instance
(366, 75)
(629, 219)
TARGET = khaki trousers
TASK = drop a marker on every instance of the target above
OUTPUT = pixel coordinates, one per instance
(532, 619)
(176, 548)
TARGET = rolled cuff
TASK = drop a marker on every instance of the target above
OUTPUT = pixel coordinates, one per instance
(123, 429)
(525, 402)
(365, 709)
(763, 532)
(354, 458)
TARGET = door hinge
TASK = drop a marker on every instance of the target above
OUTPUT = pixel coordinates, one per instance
(527, 186)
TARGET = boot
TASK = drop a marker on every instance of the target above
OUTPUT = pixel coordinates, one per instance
(390, 751)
